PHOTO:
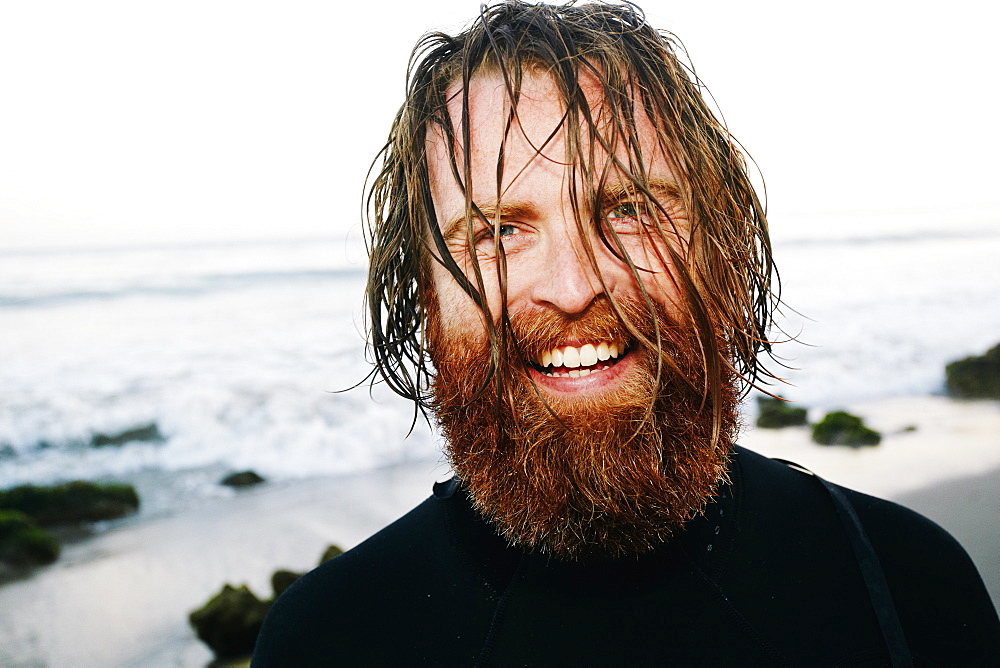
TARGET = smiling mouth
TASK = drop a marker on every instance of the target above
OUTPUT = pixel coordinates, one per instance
(579, 361)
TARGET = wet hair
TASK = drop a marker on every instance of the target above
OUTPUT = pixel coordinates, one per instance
(723, 267)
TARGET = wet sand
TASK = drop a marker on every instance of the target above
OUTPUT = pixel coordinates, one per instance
(122, 597)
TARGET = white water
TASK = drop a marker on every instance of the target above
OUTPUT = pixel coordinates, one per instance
(235, 351)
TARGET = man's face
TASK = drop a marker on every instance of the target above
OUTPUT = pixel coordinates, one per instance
(594, 441)
(548, 268)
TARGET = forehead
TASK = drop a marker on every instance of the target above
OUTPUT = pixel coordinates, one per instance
(533, 135)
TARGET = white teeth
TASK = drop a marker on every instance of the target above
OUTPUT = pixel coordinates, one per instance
(575, 373)
(572, 357)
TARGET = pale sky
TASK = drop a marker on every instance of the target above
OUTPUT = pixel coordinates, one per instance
(138, 122)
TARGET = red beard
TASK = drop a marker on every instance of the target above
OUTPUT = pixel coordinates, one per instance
(611, 476)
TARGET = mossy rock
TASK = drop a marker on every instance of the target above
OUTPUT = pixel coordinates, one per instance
(230, 621)
(775, 413)
(71, 502)
(147, 432)
(282, 580)
(841, 428)
(976, 377)
(330, 552)
(23, 542)
(242, 479)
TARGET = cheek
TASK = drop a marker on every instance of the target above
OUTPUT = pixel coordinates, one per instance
(656, 270)
(451, 293)
(457, 312)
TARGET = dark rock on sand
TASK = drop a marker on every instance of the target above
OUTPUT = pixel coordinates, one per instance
(976, 377)
(840, 428)
(146, 432)
(241, 479)
(775, 413)
(71, 502)
(230, 621)
(282, 580)
(23, 542)
(330, 552)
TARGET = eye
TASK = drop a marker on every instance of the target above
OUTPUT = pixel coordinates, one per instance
(505, 230)
(487, 237)
(629, 217)
(627, 210)
(502, 230)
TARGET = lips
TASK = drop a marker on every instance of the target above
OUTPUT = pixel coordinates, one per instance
(578, 361)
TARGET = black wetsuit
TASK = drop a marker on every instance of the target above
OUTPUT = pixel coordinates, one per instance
(766, 577)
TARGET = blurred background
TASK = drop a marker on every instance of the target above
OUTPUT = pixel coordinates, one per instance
(180, 206)
(180, 198)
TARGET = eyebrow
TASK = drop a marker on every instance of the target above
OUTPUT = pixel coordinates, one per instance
(661, 188)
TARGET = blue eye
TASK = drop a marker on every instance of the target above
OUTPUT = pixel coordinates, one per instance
(487, 239)
(626, 210)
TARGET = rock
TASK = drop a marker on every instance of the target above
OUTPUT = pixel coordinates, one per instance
(976, 377)
(71, 502)
(146, 432)
(241, 479)
(282, 580)
(23, 543)
(330, 552)
(775, 413)
(230, 621)
(840, 428)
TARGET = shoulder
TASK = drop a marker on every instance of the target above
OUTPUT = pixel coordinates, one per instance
(939, 595)
(773, 485)
(380, 602)
(332, 605)
(936, 589)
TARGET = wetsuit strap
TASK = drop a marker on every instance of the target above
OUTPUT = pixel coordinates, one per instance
(871, 570)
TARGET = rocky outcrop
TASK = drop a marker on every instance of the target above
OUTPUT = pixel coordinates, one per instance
(242, 479)
(841, 428)
(777, 412)
(147, 432)
(230, 621)
(23, 542)
(976, 377)
(71, 502)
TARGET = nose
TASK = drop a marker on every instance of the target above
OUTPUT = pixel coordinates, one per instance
(566, 280)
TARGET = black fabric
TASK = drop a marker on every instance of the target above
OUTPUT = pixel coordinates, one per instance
(766, 577)
(871, 571)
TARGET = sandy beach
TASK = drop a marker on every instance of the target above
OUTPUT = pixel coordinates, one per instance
(121, 598)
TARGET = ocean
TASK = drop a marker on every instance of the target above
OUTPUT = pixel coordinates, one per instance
(243, 355)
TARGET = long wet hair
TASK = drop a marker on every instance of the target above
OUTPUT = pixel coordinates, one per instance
(723, 268)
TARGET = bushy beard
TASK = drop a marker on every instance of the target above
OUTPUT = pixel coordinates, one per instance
(609, 476)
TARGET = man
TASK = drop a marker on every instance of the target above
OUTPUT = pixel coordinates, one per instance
(571, 271)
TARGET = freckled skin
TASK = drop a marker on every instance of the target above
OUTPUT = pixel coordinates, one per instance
(547, 266)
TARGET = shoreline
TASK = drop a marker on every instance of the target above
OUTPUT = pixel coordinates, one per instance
(121, 597)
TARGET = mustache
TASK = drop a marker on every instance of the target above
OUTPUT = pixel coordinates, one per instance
(664, 338)
(625, 320)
